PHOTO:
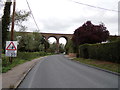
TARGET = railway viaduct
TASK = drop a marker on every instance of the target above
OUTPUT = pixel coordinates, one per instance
(57, 36)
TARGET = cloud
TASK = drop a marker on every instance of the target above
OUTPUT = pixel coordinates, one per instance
(64, 16)
(1, 7)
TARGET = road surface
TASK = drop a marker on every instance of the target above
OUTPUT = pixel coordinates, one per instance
(57, 71)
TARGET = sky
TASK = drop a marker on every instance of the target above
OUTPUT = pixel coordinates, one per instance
(64, 16)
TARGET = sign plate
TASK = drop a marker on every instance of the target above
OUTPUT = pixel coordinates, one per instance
(11, 48)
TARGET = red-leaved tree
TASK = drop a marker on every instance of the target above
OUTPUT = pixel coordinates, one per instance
(89, 33)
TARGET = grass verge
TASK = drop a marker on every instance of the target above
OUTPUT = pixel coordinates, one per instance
(114, 67)
(20, 59)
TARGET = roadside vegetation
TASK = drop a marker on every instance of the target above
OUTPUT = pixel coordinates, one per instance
(20, 59)
(114, 67)
(87, 42)
(93, 45)
(30, 45)
(106, 51)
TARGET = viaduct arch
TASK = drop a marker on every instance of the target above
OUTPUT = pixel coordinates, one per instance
(57, 36)
(66, 36)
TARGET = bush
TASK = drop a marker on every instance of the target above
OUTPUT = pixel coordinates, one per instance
(22, 57)
(30, 55)
(69, 47)
(5, 61)
(83, 51)
(107, 51)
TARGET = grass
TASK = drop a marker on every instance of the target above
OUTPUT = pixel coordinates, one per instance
(20, 59)
(8, 66)
(114, 67)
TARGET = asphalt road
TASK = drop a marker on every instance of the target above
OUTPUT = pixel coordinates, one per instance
(57, 71)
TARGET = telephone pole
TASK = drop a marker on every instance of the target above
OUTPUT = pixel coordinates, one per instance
(13, 19)
(12, 28)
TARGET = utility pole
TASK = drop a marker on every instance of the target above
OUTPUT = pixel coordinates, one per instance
(13, 17)
(12, 28)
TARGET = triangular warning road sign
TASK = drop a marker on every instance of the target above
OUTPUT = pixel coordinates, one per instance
(11, 46)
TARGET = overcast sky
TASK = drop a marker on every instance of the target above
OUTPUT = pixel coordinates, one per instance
(64, 16)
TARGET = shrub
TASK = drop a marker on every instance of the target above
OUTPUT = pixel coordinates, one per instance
(22, 57)
(5, 61)
(30, 55)
(83, 51)
(106, 51)
(69, 47)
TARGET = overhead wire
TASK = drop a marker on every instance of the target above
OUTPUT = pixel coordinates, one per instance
(32, 15)
(94, 6)
(74, 2)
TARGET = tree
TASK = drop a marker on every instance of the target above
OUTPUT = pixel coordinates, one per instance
(27, 43)
(32, 42)
(89, 33)
(46, 45)
(40, 41)
(5, 22)
(69, 47)
(0, 34)
(52, 48)
(20, 17)
(61, 48)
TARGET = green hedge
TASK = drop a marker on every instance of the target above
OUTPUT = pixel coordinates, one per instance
(30, 55)
(22, 57)
(106, 51)
(83, 51)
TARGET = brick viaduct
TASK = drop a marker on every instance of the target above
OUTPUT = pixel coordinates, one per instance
(57, 36)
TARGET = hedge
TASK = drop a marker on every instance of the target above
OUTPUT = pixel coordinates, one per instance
(106, 51)
(30, 55)
(83, 51)
(22, 57)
